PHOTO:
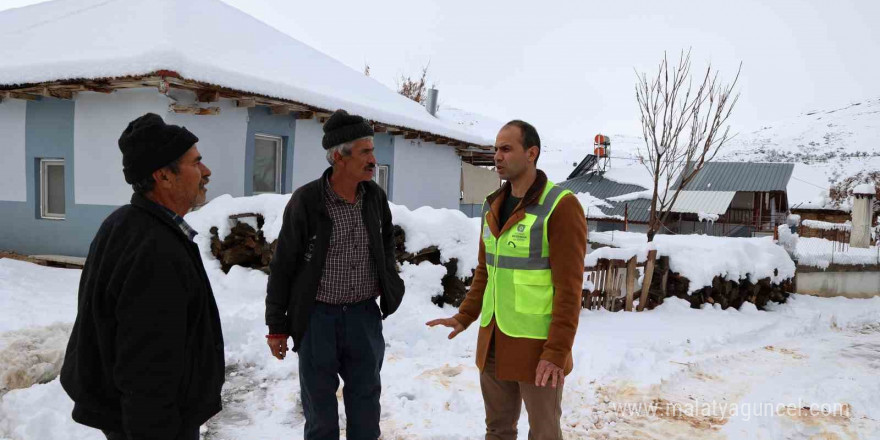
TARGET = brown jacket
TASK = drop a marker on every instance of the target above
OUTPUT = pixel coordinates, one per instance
(517, 358)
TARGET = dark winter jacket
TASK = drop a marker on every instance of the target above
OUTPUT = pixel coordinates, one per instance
(146, 352)
(298, 262)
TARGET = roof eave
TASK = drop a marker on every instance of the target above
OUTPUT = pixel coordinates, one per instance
(165, 80)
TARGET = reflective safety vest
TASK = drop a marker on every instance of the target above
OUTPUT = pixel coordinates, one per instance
(519, 291)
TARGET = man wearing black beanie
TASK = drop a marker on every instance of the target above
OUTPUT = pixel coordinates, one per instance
(145, 358)
(335, 255)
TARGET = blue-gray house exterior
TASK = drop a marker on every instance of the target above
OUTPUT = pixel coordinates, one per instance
(50, 128)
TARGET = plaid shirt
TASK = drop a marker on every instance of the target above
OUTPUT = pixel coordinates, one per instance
(181, 223)
(350, 273)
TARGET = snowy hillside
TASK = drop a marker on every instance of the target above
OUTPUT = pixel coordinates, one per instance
(826, 146)
(560, 156)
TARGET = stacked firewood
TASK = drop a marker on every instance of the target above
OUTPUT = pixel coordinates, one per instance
(246, 246)
(605, 288)
(454, 288)
(724, 292)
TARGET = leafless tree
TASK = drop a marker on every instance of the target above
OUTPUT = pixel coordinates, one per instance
(684, 125)
(841, 191)
(414, 88)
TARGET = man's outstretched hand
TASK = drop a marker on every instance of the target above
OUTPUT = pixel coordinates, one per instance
(448, 322)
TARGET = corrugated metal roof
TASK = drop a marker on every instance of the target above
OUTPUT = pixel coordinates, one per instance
(741, 176)
(598, 186)
(710, 202)
(639, 210)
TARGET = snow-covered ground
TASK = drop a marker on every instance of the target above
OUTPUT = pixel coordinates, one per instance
(654, 374)
(821, 253)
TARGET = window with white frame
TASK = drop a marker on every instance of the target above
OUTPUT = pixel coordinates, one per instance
(381, 177)
(267, 164)
(52, 189)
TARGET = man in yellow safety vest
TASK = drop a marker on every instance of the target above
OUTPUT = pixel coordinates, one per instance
(526, 290)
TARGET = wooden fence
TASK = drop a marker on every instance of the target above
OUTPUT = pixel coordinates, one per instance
(611, 277)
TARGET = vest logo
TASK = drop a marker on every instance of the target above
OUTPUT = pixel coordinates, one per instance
(487, 234)
(521, 228)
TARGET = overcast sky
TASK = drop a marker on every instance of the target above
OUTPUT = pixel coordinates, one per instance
(569, 67)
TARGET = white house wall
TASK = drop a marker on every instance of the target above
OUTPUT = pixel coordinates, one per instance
(13, 171)
(309, 157)
(99, 119)
(222, 141)
(426, 174)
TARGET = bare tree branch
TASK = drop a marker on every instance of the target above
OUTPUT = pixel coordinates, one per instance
(683, 127)
(414, 88)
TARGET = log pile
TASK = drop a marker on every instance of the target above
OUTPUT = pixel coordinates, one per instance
(454, 288)
(246, 246)
(724, 292)
(665, 283)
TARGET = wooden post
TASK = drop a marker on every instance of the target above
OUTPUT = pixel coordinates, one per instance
(646, 282)
(618, 289)
(609, 284)
(57, 93)
(22, 96)
(607, 287)
(597, 300)
(208, 95)
(665, 280)
(597, 282)
(602, 287)
(246, 102)
(194, 110)
(631, 271)
(279, 109)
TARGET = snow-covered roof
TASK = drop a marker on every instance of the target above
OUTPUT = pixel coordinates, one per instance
(201, 40)
(482, 125)
(708, 202)
(599, 185)
(864, 189)
(741, 176)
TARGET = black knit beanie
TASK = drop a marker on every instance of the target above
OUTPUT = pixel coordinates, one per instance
(343, 127)
(148, 143)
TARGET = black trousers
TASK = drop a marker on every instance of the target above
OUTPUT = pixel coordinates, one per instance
(184, 434)
(346, 342)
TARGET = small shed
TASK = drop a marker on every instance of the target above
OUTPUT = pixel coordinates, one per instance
(476, 183)
(738, 199)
